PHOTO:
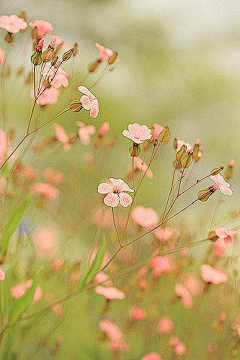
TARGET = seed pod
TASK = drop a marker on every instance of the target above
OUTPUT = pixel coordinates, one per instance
(212, 236)
(75, 106)
(93, 66)
(113, 58)
(36, 59)
(135, 150)
(204, 195)
(217, 170)
(164, 135)
(9, 38)
(66, 56)
(187, 160)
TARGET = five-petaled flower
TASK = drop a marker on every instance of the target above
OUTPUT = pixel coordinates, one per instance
(115, 193)
(137, 133)
(222, 185)
(43, 27)
(89, 101)
(13, 24)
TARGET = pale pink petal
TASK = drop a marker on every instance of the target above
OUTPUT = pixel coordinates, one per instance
(105, 188)
(125, 199)
(111, 200)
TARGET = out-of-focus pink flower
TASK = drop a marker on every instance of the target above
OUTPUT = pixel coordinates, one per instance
(179, 347)
(57, 264)
(104, 53)
(180, 143)
(145, 217)
(53, 176)
(44, 189)
(114, 334)
(104, 129)
(184, 294)
(101, 277)
(140, 165)
(103, 217)
(110, 293)
(89, 101)
(43, 27)
(225, 234)
(161, 265)
(60, 41)
(3, 145)
(115, 193)
(219, 247)
(142, 271)
(165, 325)
(237, 328)
(137, 133)
(58, 310)
(193, 283)
(157, 129)
(57, 77)
(138, 313)
(85, 132)
(222, 185)
(2, 275)
(12, 23)
(38, 294)
(222, 317)
(45, 242)
(49, 96)
(19, 290)
(151, 356)
(62, 136)
(165, 234)
(213, 275)
(1, 56)
(29, 172)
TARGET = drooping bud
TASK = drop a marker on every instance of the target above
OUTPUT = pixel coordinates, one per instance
(75, 106)
(164, 135)
(75, 49)
(217, 170)
(135, 150)
(113, 58)
(9, 38)
(229, 171)
(93, 66)
(67, 55)
(212, 236)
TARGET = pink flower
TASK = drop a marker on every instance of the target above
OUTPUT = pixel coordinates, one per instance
(180, 143)
(137, 133)
(151, 356)
(104, 53)
(140, 165)
(2, 275)
(49, 96)
(165, 325)
(179, 347)
(54, 176)
(161, 265)
(45, 242)
(221, 184)
(56, 78)
(219, 247)
(110, 293)
(43, 27)
(62, 136)
(29, 172)
(165, 234)
(184, 294)
(112, 330)
(225, 234)
(145, 217)
(47, 190)
(157, 129)
(85, 132)
(213, 275)
(3, 145)
(1, 56)
(38, 294)
(60, 41)
(89, 101)
(19, 290)
(12, 23)
(115, 191)
(101, 277)
(104, 129)
(137, 313)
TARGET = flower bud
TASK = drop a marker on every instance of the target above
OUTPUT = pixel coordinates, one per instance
(40, 46)
(135, 150)
(9, 38)
(181, 153)
(23, 15)
(93, 66)
(197, 152)
(203, 195)
(36, 59)
(54, 61)
(75, 106)
(113, 58)
(187, 160)
(164, 135)
(52, 44)
(75, 49)
(229, 171)
(212, 236)
(67, 55)
(175, 144)
(217, 170)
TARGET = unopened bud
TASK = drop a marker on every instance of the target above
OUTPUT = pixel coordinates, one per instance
(164, 135)
(9, 38)
(93, 66)
(212, 235)
(204, 195)
(66, 56)
(135, 150)
(23, 15)
(113, 58)
(217, 170)
(181, 153)
(75, 49)
(52, 44)
(75, 106)
(36, 59)
(175, 144)
(54, 61)
(187, 160)
(40, 46)
(229, 171)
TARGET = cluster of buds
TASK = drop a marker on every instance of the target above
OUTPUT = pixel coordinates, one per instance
(184, 155)
(165, 135)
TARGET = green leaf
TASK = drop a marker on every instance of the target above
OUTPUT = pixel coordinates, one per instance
(95, 266)
(12, 224)
(21, 304)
